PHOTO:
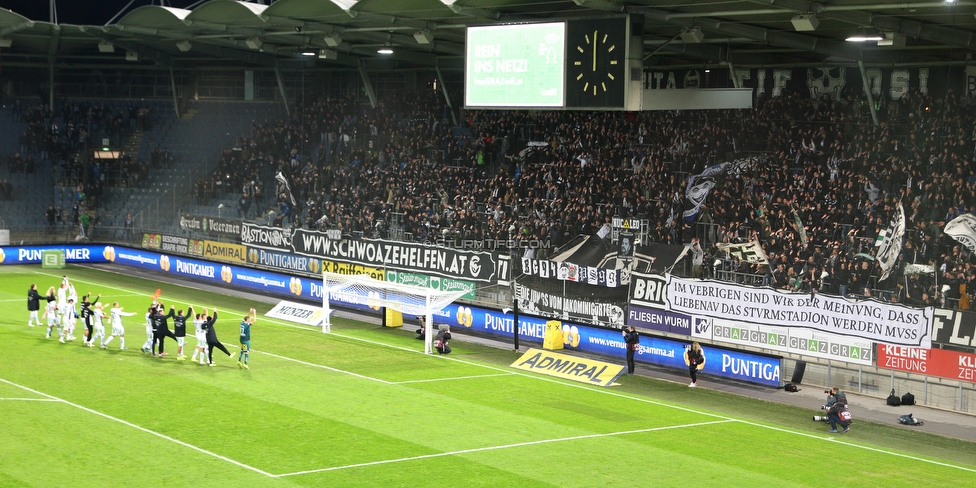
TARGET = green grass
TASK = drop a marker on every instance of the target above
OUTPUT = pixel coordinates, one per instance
(361, 407)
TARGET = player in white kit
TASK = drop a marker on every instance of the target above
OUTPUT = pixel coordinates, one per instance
(149, 328)
(201, 336)
(51, 312)
(117, 328)
(98, 326)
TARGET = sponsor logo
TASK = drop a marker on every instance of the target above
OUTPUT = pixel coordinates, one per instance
(702, 325)
(295, 286)
(464, 316)
(109, 253)
(253, 256)
(313, 265)
(373, 300)
(225, 252)
(571, 335)
(164, 263)
(297, 312)
(2, 256)
(225, 274)
(569, 367)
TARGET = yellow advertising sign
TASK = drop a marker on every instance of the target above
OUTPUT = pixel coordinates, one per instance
(584, 370)
(353, 269)
(223, 251)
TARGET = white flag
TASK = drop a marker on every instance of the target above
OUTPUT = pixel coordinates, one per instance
(963, 229)
(751, 252)
(284, 181)
(891, 243)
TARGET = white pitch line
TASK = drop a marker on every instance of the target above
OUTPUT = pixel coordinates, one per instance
(450, 379)
(325, 367)
(31, 399)
(506, 446)
(575, 385)
(143, 429)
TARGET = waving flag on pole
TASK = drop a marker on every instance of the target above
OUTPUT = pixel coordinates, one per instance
(890, 243)
(963, 229)
(800, 228)
(751, 252)
(284, 181)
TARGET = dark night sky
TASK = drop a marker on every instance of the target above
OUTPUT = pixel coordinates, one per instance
(80, 12)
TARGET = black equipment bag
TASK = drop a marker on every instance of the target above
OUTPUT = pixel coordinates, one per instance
(908, 399)
(893, 400)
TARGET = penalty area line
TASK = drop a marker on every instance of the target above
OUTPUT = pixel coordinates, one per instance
(140, 428)
(506, 446)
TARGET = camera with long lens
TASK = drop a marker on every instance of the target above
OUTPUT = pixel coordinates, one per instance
(820, 418)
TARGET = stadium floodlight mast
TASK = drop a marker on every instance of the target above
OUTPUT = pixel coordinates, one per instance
(407, 299)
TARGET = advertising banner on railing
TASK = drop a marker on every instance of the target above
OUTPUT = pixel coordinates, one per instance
(867, 319)
(659, 320)
(408, 256)
(727, 363)
(284, 261)
(796, 340)
(223, 251)
(932, 362)
(954, 327)
(72, 254)
(177, 244)
(217, 226)
(562, 307)
(562, 270)
(353, 269)
(435, 282)
(268, 238)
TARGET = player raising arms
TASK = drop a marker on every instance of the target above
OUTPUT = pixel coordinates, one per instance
(67, 312)
(51, 312)
(201, 336)
(249, 319)
(117, 328)
(150, 333)
(87, 314)
(179, 329)
(161, 328)
(99, 326)
(212, 342)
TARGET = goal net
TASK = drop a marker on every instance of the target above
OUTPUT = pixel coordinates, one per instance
(340, 289)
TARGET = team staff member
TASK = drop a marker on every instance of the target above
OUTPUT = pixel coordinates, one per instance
(695, 359)
(212, 341)
(179, 330)
(161, 328)
(632, 338)
(33, 305)
(249, 319)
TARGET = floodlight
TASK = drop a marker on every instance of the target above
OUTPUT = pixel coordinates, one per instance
(692, 35)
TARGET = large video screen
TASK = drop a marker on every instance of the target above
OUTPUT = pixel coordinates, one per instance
(515, 65)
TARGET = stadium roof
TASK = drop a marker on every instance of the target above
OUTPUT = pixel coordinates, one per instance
(427, 33)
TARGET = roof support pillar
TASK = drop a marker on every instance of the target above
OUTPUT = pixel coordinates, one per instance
(867, 92)
(447, 97)
(172, 87)
(367, 85)
(281, 88)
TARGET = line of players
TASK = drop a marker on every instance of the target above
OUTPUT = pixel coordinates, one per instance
(62, 312)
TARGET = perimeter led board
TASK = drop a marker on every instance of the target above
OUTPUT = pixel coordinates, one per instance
(517, 65)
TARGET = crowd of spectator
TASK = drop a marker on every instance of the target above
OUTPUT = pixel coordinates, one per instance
(823, 159)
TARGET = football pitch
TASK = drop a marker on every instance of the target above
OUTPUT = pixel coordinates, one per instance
(363, 406)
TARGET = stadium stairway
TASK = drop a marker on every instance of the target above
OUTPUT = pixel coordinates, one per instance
(194, 141)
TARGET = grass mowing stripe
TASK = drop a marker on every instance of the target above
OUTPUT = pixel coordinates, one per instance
(137, 427)
(581, 386)
(450, 379)
(357, 375)
(506, 446)
(30, 399)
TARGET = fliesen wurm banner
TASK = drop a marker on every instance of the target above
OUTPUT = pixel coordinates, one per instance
(880, 322)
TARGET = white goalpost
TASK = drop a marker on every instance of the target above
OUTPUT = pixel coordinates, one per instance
(407, 299)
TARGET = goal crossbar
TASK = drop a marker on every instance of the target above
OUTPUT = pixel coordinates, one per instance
(363, 290)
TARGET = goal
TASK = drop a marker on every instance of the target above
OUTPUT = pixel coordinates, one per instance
(339, 289)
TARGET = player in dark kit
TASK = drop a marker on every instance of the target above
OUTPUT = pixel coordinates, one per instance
(179, 329)
(161, 328)
(33, 305)
(212, 341)
(249, 319)
(632, 338)
(87, 314)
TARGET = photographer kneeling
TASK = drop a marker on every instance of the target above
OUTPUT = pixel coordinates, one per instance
(837, 413)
